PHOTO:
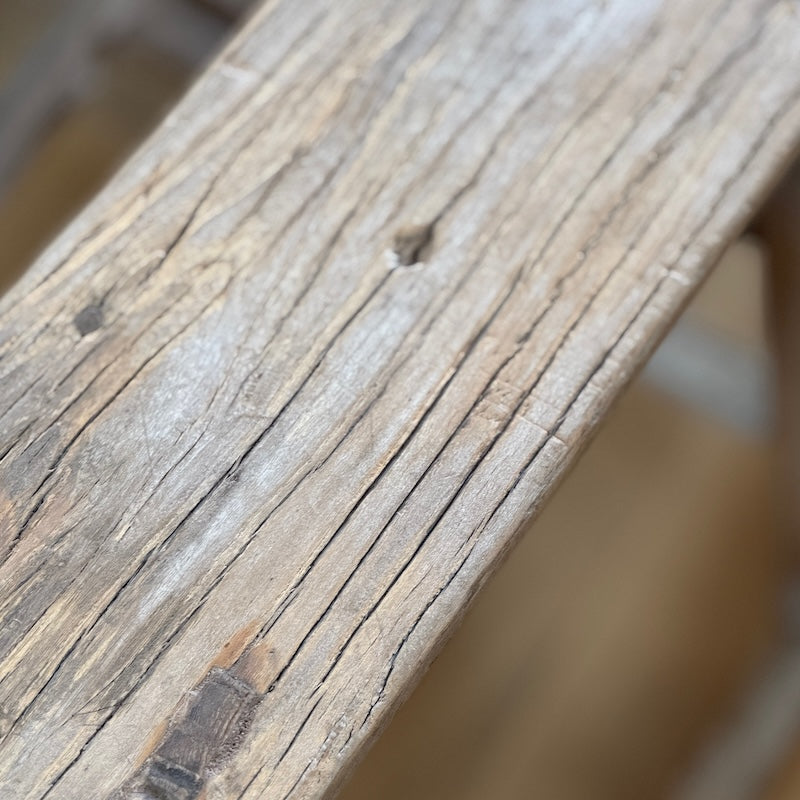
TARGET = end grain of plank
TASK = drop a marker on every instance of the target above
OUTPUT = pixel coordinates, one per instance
(252, 465)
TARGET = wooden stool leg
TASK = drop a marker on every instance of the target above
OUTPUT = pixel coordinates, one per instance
(779, 228)
(756, 755)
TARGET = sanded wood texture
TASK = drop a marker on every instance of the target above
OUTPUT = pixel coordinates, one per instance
(275, 404)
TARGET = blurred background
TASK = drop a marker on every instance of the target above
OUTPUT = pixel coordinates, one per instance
(623, 633)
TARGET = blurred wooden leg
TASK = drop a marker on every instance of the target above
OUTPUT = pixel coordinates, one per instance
(757, 755)
(779, 228)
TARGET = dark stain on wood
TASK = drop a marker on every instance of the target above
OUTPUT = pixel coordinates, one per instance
(89, 319)
(212, 725)
(167, 781)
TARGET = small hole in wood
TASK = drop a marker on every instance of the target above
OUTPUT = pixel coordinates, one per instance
(413, 245)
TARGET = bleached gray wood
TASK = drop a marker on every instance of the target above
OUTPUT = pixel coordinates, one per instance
(276, 403)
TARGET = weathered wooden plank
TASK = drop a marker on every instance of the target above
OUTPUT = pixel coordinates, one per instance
(254, 460)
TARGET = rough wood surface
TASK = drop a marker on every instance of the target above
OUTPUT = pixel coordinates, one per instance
(278, 400)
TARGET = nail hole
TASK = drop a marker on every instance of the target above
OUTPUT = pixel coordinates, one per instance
(88, 320)
(412, 245)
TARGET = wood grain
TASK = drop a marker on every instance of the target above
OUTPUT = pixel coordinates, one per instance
(255, 462)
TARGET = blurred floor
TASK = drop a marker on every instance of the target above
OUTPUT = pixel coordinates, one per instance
(633, 611)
